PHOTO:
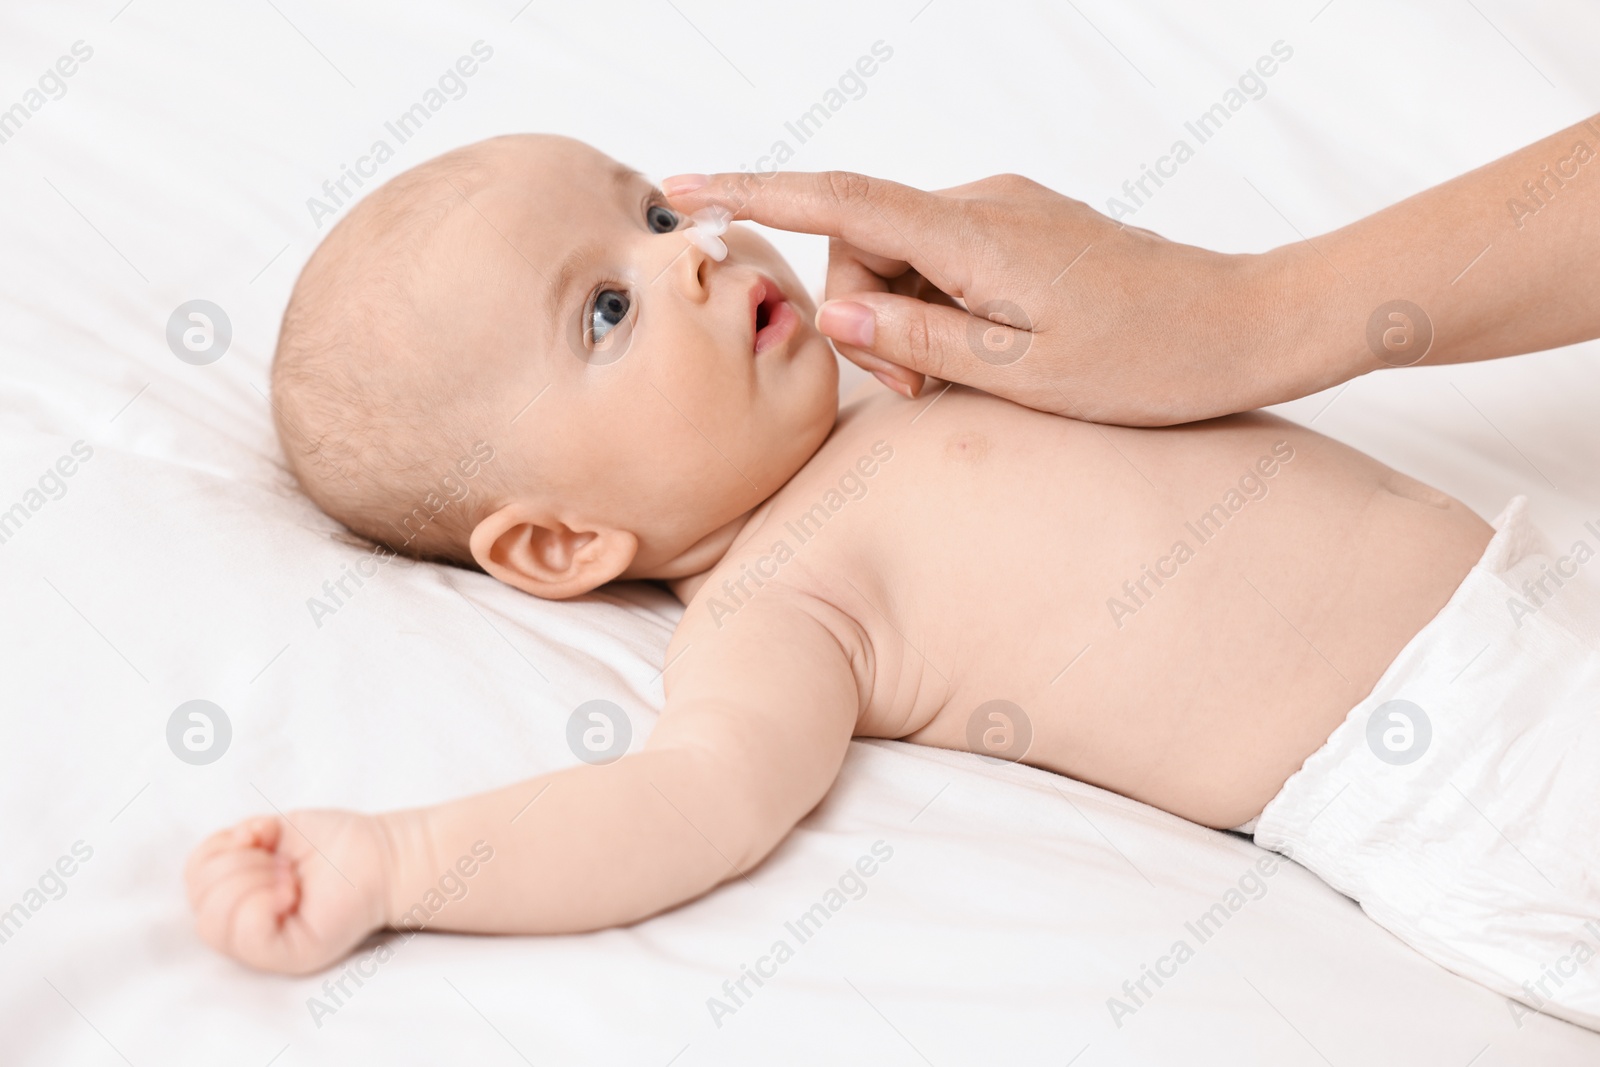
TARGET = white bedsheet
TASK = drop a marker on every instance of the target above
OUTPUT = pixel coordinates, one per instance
(177, 164)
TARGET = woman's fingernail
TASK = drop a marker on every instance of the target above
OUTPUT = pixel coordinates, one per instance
(679, 184)
(893, 383)
(846, 322)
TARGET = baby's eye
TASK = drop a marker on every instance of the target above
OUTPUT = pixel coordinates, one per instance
(610, 307)
(661, 219)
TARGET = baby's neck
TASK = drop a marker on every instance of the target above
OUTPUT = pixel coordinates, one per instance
(686, 574)
(689, 571)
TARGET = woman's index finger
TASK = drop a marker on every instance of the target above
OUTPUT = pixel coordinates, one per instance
(878, 216)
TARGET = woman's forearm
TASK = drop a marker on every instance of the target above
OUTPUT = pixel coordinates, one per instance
(1502, 260)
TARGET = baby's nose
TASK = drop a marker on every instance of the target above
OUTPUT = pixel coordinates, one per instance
(705, 231)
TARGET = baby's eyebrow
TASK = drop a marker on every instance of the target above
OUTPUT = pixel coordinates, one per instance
(572, 266)
(559, 293)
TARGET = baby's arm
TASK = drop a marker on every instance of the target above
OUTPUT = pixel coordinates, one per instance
(757, 721)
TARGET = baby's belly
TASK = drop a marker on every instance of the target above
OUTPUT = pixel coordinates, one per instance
(1181, 617)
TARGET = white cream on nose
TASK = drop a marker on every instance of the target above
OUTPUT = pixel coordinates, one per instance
(705, 231)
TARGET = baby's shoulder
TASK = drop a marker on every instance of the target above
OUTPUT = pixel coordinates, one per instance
(756, 590)
(729, 626)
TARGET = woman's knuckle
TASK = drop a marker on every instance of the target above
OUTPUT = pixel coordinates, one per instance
(918, 339)
(847, 187)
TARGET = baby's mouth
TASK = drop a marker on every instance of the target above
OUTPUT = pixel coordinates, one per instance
(773, 319)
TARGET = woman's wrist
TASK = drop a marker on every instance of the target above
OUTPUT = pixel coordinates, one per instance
(1308, 344)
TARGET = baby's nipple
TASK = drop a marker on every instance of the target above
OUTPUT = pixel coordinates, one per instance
(705, 231)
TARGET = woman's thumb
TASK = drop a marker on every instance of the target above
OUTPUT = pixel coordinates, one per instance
(932, 339)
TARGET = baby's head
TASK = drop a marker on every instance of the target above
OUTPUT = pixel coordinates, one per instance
(509, 357)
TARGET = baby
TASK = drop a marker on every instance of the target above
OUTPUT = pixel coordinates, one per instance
(1228, 620)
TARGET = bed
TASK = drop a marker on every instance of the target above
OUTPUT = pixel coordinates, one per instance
(173, 152)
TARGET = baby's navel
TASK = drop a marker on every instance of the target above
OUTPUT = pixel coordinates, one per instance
(1411, 489)
(969, 446)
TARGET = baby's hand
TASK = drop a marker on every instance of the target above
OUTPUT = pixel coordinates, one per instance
(290, 894)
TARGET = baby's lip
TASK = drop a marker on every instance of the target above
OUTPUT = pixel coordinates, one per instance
(763, 292)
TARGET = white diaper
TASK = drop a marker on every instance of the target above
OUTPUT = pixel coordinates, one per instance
(1471, 831)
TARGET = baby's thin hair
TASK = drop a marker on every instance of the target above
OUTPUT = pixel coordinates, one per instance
(372, 405)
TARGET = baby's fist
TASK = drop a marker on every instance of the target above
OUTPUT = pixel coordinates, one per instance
(290, 894)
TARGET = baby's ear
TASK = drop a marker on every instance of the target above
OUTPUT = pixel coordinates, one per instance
(538, 554)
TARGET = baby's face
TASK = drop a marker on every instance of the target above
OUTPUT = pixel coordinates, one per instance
(647, 388)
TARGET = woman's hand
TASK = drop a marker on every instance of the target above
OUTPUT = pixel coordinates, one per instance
(1066, 310)
(1075, 313)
